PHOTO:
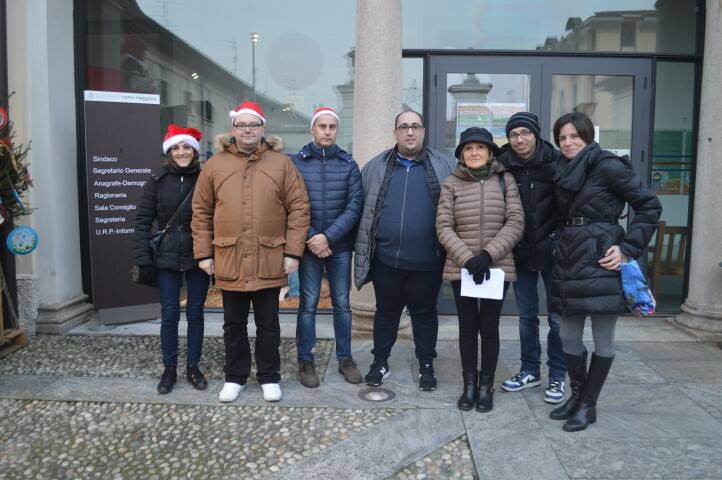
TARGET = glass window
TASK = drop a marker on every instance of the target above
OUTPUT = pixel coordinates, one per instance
(671, 167)
(483, 100)
(205, 60)
(664, 26)
(412, 84)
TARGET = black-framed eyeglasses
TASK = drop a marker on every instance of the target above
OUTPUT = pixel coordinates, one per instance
(247, 126)
(515, 135)
(404, 127)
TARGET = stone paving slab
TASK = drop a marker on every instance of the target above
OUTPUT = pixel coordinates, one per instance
(132, 441)
(685, 371)
(377, 452)
(647, 458)
(637, 411)
(509, 443)
(452, 461)
(134, 357)
(707, 396)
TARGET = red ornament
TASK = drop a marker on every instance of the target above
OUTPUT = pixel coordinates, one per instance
(3, 117)
(6, 141)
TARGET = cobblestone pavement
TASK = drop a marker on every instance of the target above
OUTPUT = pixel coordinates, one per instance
(85, 406)
(54, 440)
(452, 461)
(134, 357)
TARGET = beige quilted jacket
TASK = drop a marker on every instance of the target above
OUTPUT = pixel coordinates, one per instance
(473, 215)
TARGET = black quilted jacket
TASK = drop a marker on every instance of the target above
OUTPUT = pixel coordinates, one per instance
(596, 185)
(535, 180)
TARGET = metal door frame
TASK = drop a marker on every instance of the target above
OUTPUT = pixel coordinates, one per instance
(541, 68)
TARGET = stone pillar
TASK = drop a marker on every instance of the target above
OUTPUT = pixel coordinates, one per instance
(702, 310)
(377, 101)
(41, 67)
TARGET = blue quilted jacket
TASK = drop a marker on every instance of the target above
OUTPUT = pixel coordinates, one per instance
(333, 182)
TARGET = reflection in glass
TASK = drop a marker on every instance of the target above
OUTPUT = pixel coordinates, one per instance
(285, 62)
(664, 26)
(607, 99)
(671, 167)
(483, 100)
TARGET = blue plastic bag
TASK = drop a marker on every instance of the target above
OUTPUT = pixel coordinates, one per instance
(639, 298)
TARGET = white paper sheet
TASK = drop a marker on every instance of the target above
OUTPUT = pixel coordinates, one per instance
(492, 289)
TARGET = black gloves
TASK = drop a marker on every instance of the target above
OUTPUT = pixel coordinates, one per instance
(147, 274)
(478, 266)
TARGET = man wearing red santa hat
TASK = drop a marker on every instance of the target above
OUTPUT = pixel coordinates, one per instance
(250, 220)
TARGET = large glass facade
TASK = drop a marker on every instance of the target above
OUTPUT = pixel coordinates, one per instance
(285, 61)
(623, 26)
(671, 179)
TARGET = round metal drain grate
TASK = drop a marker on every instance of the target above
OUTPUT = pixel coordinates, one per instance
(376, 394)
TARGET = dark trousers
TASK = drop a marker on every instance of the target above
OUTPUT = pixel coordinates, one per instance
(394, 289)
(236, 306)
(478, 316)
(169, 288)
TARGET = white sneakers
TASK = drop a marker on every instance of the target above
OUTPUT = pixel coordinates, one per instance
(230, 392)
(271, 392)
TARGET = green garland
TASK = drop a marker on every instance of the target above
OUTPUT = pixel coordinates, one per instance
(15, 179)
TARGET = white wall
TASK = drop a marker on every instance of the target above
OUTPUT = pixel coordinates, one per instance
(41, 67)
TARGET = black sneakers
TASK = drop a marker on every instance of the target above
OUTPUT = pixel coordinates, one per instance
(427, 378)
(377, 374)
(195, 377)
(167, 380)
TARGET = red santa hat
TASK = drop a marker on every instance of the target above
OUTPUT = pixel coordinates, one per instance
(177, 134)
(248, 107)
(324, 111)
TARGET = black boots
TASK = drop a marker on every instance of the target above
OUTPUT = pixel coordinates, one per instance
(195, 377)
(577, 368)
(167, 380)
(587, 411)
(485, 394)
(468, 397)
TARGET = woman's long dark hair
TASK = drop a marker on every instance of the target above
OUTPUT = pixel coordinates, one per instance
(583, 124)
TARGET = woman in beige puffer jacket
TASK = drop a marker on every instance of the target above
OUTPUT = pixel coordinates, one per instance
(479, 221)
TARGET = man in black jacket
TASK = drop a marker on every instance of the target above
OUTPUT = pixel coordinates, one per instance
(533, 163)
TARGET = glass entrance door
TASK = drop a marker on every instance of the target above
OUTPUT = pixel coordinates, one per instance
(483, 90)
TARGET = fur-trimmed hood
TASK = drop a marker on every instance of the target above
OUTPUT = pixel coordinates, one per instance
(223, 141)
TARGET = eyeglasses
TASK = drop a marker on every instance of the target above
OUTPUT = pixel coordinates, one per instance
(405, 127)
(515, 135)
(247, 126)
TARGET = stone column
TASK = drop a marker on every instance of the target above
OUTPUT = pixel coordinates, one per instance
(41, 67)
(702, 310)
(377, 101)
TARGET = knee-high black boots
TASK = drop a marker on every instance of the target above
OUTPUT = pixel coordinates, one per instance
(577, 368)
(587, 411)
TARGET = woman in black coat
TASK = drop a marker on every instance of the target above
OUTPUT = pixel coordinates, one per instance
(592, 188)
(168, 189)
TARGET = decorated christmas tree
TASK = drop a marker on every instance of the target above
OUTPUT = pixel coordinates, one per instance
(15, 180)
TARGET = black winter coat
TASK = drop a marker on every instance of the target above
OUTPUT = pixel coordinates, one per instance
(596, 185)
(535, 180)
(162, 193)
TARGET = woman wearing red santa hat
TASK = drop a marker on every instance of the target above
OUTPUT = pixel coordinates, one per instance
(167, 201)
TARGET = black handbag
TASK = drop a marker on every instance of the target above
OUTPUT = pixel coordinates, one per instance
(156, 239)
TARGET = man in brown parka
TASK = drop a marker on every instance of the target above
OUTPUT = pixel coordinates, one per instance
(250, 220)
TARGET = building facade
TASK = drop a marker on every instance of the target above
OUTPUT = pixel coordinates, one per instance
(639, 69)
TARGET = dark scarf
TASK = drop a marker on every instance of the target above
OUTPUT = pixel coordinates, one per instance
(481, 173)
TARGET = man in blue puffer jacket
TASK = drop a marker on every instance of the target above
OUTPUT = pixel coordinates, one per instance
(333, 181)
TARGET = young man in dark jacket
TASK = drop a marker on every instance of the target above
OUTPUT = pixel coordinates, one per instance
(333, 182)
(397, 248)
(533, 162)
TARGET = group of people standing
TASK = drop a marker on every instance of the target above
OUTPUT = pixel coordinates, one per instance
(412, 217)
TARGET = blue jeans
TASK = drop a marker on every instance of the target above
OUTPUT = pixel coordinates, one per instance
(338, 269)
(169, 286)
(527, 301)
(293, 286)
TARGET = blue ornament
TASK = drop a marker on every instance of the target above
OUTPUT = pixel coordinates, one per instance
(23, 240)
